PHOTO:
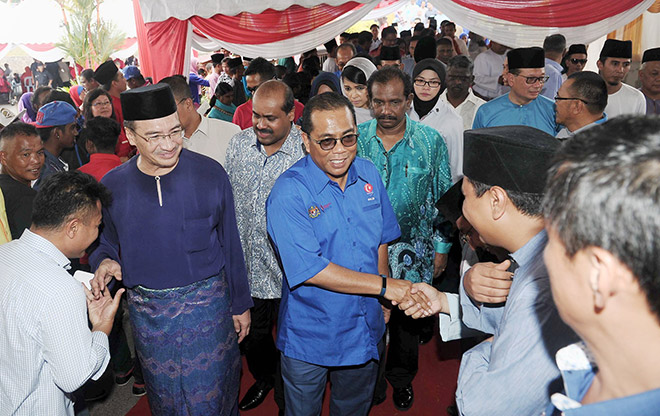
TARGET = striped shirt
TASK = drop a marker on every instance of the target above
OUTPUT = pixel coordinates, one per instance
(46, 349)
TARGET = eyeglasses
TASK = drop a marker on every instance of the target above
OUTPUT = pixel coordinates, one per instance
(534, 80)
(576, 61)
(252, 90)
(161, 138)
(558, 98)
(421, 82)
(328, 144)
(101, 104)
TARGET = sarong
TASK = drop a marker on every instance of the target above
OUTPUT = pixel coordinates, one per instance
(188, 349)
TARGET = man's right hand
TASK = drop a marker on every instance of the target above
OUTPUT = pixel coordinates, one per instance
(488, 282)
(438, 302)
(105, 272)
(398, 291)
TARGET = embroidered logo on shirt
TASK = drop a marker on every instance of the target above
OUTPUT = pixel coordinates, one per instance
(313, 212)
(368, 188)
(326, 206)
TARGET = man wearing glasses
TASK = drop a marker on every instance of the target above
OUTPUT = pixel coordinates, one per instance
(413, 162)
(171, 236)
(580, 103)
(330, 220)
(522, 106)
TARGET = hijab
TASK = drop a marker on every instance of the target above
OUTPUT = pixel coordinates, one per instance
(422, 108)
(324, 78)
(26, 104)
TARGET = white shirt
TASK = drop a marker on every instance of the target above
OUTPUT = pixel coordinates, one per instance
(212, 138)
(627, 100)
(467, 109)
(330, 65)
(488, 67)
(449, 124)
(46, 348)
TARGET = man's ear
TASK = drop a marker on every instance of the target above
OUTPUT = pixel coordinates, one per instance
(72, 227)
(130, 136)
(499, 201)
(608, 277)
(306, 141)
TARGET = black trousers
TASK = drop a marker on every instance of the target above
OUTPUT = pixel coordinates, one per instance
(263, 358)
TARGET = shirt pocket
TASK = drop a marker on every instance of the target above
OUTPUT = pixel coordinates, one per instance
(197, 234)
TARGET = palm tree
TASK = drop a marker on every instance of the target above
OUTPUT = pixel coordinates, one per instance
(89, 39)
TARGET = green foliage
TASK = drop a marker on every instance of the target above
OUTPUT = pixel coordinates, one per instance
(89, 39)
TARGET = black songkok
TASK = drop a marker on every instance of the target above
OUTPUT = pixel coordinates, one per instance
(390, 53)
(651, 55)
(425, 48)
(217, 58)
(515, 158)
(450, 204)
(147, 103)
(577, 48)
(105, 72)
(234, 63)
(616, 49)
(526, 58)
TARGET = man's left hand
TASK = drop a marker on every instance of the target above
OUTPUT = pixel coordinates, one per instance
(439, 263)
(242, 325)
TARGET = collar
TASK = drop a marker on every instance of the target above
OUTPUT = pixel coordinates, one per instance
(39, 243)
(470, 98)
(407, 134)
(202, 128)
(531, 250)
(52, 158)
(319, 180)
(554, 64)
(104, 156)
(595, 123)
(293, 139)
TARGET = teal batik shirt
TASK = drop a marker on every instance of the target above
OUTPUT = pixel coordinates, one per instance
(416, 174)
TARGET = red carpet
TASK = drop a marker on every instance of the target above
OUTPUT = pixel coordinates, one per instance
(434, 386)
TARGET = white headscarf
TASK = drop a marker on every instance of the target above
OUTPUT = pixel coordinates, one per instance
(368, 68)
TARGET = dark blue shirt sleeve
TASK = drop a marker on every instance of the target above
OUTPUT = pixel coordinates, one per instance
(235, 270)
(197, 80)
(108, 247)
(291, 231)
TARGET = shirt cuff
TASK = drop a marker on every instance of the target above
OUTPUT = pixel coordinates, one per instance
(101, 346)
(441, 247)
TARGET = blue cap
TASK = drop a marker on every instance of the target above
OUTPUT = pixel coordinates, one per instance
(131, 71)
(56, 113)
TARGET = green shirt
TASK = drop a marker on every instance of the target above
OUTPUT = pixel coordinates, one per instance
(416, 174)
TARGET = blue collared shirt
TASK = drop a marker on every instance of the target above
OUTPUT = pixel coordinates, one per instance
(578, 370)
(539, 113)
(312, 223)
(52, 165)
(514, 374)
(553, 72)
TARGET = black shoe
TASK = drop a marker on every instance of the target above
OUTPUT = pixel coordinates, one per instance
(377, 400)
(403, 398)
(425, 338)
(254, 396)
(138, 389)
(123, 379)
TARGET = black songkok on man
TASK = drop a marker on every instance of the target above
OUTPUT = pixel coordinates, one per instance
(651, 55)
(234, 63)
(390, 53)
(105, 72)
(577, 48)
(616, 49)
(425, 48)
(514, 158)
(148, 103)
(526, 58)
(217, 58)
(450, 204)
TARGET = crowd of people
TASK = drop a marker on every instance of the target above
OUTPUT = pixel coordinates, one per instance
(411, 173)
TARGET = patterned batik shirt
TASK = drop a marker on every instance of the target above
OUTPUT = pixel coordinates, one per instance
(416, 174)
(252, 175)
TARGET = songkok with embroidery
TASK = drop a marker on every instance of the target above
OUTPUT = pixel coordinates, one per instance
(147, 103)
(526, 58)
(515, 158)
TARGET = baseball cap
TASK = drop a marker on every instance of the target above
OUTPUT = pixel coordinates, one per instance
(131, 71)
(56, 113)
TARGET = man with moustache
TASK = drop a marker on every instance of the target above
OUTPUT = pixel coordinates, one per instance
(413, 162)
(256, 157)
(459, 79)
(523, 105)
(613, 66)
(330, 220)
(580, 103)
(172, 238)
(21, 156)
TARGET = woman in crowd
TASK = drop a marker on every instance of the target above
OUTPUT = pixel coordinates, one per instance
(98, 103)
(428, 85)
(324, 82)
(222, 106)
(354, 86)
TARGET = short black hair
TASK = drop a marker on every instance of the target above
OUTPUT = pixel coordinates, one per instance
(37, 93)
(418, 27)
(87, 74)
(354, 35)
(58, 95)
(527, 203)
(345, 35)
(461, 61)
(365, 38)
(64, 195)
(273, 85)
(389, 30)
(385, 75)
(443, 41)
(324, 102)
(103, 132)
(602, 191)
(592, 88)
(179, 86)
(261, 67)
(554, 43)
(374, 25)
(354, 74)
(15, 129)
(448, 23)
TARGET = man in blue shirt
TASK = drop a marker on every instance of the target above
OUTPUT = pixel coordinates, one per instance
(330, 220)
(605, 268)
(554, 48)
(522, 106)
